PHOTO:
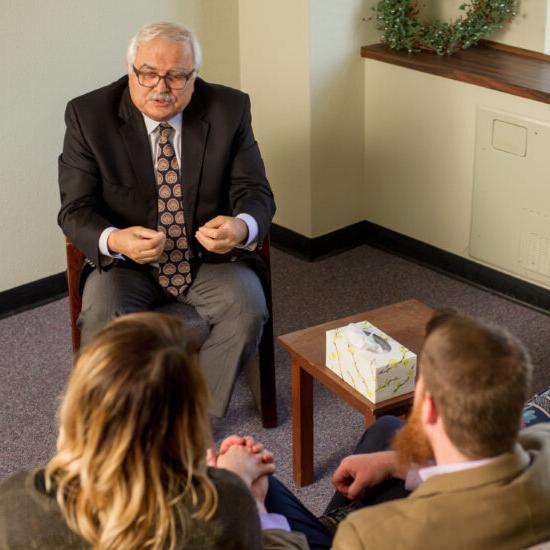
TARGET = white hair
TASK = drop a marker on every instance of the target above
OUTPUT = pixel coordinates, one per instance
(166, 31)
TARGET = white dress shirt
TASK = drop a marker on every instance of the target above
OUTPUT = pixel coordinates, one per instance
(176, 122)
(416, 475)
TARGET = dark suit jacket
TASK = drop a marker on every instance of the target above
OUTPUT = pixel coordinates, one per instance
(106, 173)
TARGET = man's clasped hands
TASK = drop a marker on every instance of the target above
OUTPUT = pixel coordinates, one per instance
(144, 245)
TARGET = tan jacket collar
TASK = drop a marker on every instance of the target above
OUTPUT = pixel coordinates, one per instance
(502, 468)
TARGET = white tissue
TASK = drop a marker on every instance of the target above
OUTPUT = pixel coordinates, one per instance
(358, 339)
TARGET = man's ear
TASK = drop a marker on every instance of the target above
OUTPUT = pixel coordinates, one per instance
(430, 414)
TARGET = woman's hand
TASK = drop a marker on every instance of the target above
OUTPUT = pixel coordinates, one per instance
(250, 461)
(248, 466)
(254, 447)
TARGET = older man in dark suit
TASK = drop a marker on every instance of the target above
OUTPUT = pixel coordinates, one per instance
(164, 190)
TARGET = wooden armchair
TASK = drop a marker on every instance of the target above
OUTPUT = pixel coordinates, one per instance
(260, 373)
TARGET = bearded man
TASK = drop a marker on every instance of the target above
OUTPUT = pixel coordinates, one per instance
(476, 481)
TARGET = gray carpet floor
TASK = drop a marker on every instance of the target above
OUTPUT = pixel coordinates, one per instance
(36, 356)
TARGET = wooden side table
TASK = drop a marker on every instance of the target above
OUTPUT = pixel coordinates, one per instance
(405, 322)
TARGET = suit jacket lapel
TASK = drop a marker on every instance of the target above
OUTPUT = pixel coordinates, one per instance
(194, 133)
(502, 468)
(136, 142)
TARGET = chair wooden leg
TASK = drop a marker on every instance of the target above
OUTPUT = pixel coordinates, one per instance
(268, 391)
(75, 261)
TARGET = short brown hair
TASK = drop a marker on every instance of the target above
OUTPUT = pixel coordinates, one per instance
(479, 377)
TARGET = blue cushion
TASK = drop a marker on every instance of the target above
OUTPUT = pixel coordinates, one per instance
(537, 409)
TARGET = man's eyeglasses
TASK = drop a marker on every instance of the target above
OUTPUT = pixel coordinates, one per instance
(174, 81)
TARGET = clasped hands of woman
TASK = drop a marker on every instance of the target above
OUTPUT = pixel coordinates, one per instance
(248, 459)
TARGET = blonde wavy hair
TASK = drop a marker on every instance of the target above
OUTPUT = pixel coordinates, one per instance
(130, 469)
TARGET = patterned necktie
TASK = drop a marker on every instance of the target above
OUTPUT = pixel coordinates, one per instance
(174, 267)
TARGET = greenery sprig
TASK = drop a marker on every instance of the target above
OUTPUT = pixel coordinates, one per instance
(403, 30)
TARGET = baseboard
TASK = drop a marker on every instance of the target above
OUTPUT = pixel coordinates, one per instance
(312, 249)
(52, 288)
(31, 295)
(413, 250)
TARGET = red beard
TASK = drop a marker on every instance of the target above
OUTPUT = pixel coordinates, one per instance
(411, 443)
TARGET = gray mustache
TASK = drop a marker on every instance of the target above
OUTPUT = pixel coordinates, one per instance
(162, 96)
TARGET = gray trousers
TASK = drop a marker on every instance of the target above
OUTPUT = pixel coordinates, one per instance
(229, 296)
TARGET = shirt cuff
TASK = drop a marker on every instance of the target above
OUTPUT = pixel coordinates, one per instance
(252, 225)
(274, 521)
(103, 248)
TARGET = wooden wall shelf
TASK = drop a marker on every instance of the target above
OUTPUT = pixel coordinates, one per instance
(491, 65)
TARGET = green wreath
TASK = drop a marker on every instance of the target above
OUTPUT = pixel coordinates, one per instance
(399, 21)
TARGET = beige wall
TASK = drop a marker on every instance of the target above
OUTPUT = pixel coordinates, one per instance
(216, 23)
(419, 152)
(299, 61)
(311, 131)
(337, 32)
(527, 30)
(316, 105)
(420, 134)
(51, 52)
(274, 61)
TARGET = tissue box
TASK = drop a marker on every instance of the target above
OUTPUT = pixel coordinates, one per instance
(378, 375)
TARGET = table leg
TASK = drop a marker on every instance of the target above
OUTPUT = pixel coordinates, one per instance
(302, 425)
(369, 419)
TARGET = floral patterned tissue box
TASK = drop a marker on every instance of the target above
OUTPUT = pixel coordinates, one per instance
(375, 364)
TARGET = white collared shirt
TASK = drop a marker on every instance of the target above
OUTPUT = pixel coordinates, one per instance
(416, 475)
